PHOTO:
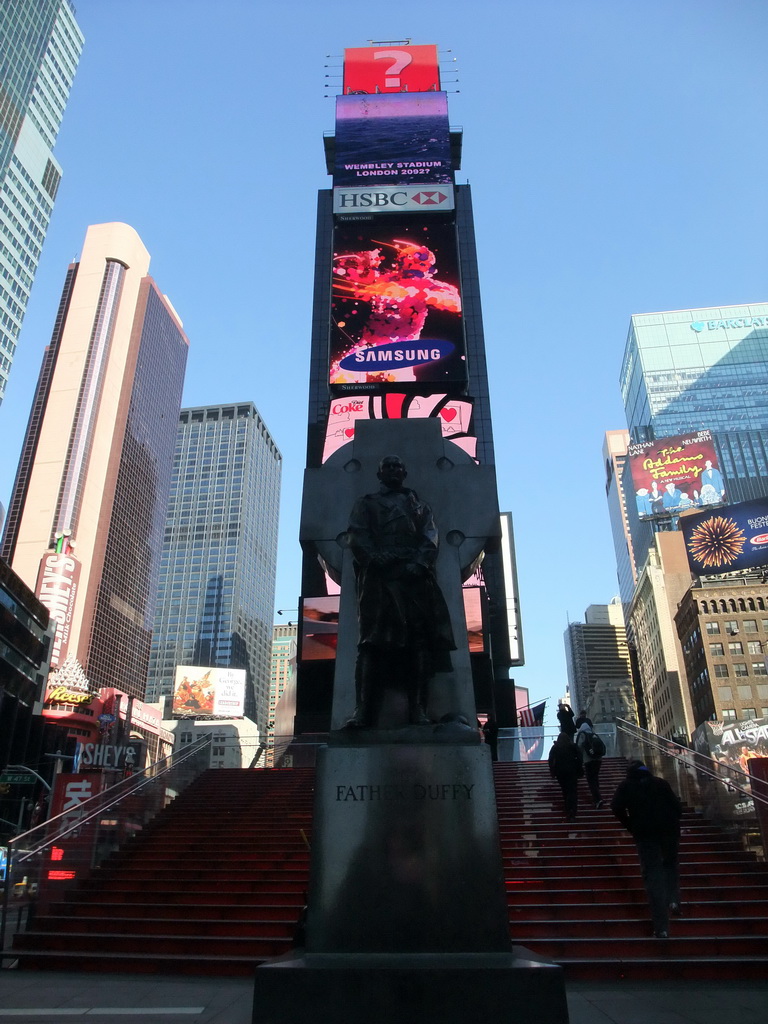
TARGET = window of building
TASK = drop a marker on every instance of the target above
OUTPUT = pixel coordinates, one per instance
(716, 650)
(759, 669)
(740, 669)
(753, 646)
(729, 715)
(725, 692)
(713, 628)
(750, 625)
(745, 692)
(732, 626)
(721, 671)
(736, 647)
(748, 713)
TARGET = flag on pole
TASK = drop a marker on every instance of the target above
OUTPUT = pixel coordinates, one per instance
(533, 715)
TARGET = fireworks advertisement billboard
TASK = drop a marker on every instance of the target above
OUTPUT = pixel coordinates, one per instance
(726, 540)
(454, 415)
(396, 307)
(399, 140)
(391, 69)
(672, 474)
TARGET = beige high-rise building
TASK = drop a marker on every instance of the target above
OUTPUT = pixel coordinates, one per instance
(663, 582)
(87, 514)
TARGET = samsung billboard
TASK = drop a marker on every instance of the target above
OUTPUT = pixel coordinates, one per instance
(396, 306)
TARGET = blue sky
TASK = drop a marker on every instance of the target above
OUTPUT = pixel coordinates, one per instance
(617, 156)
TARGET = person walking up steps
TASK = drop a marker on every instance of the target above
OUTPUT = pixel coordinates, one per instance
(566, 766)
(592, 751)
(648, 807)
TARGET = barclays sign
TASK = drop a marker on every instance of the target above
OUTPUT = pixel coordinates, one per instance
(737, 323)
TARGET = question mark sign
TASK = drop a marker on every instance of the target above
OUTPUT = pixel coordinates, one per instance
(401, 59)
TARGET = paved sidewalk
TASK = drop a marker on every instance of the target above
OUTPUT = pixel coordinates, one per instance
(42, 997)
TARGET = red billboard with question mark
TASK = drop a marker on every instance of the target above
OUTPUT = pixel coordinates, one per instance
(391, 68)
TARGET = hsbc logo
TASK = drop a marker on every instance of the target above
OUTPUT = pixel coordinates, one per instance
(391, 199)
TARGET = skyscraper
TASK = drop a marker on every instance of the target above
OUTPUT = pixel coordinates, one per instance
(85, 523)
(216, 588)
(596, 651)
(40, 46)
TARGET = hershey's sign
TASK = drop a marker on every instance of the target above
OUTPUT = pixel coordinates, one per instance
(56, 588)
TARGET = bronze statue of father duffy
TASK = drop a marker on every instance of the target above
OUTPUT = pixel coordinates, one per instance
(405, 627)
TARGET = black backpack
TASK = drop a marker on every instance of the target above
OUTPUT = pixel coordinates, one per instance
(594, 746)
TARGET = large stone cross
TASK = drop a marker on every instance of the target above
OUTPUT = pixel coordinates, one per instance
(464, 502)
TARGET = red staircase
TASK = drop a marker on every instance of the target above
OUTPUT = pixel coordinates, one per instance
(576, 894)
(215, 886)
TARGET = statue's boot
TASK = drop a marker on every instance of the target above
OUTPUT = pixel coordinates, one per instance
(366, 704)
(417, 700)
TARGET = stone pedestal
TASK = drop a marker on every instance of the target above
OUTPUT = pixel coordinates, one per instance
(410, 989)
(405, 852)
(407, 916)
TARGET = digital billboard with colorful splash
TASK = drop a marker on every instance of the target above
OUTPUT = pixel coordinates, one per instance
(391, 68)
(455, 416)
(392, 140)
(396, 306)
(727, 539)
(672, 474)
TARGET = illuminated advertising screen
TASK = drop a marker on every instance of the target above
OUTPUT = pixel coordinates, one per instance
(727, 539)
(672, 474)
(391, 69)
(396, 307)
(208, 692)
(454, 415)
(320, 625)
(473, 612)
(319, 628)
(392, 140)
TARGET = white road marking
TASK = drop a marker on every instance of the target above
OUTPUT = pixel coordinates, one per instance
(103, 1011)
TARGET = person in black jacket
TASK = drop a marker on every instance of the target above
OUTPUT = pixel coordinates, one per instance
(566, 766)
(648, 807)
(565, 717)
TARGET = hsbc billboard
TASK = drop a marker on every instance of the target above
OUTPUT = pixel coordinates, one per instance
(392, 199)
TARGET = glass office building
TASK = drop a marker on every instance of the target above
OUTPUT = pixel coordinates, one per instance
(40, 46)
(699, 369)
(216, 591)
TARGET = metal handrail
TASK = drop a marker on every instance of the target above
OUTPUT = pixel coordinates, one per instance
(83, 827)
(108, 798)
(731, 798)
(704, 764)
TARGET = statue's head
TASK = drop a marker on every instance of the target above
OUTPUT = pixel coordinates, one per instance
(392, 471)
